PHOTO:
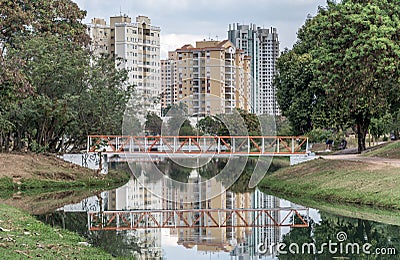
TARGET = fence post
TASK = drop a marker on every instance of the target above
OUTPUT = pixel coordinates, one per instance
(89, 139)
(293, 145)
(262, 145)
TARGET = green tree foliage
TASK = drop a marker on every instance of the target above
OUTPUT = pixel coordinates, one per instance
(53, 93)
(53, 66)
(358, 231)
(355, 58)
(208, 125)
(380, 126)
(101, 106)
(358, 59)
(62, 18)
(186, 129)
(153, 124)
(394, 123)
(283, 126)
(218, 125)
(295, 93)
(178, 122)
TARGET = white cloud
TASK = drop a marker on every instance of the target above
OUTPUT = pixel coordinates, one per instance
(184, 21)
(171, 42)
(166, 5)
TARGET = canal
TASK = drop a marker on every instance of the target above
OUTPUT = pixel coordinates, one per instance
(152, 218)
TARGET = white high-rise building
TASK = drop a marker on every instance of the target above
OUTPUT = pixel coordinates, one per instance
(168, 76)
(136, 47)
(263, 47)
(138, 44)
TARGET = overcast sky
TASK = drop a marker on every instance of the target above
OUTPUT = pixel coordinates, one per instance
(187, 21)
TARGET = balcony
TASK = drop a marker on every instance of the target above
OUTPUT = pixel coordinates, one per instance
(229, 97)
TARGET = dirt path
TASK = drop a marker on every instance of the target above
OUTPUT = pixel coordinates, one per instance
(358, 158)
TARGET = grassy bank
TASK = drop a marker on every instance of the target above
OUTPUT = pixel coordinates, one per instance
(31, 171)
(111, 180)
(339, 182)
(390, 151)
(387, 216)
(43, 201)
(22, 236)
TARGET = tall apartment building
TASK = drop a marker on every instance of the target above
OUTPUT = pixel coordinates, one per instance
(214, 76)
(263, 47)
(168, 92)
(137, 44)
(100, 35)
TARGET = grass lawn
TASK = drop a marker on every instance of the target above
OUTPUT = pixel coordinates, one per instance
(22, 237)
(339, 181)
(390, 151)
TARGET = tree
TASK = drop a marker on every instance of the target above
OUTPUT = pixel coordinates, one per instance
(186, 129)
(43, 70)
(283, 126)
(296, 96)
(249, 126)
(355, 59)
(71, 95)
(100, 108)
(55, 70)
(178, 122)
(62, 18)
(153, 124)
(208, 125)
(394, 124)
(380, 126)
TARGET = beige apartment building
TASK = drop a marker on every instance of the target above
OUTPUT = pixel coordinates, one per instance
(211, 78)
(100, 35)
(168, 74)
(136, 45)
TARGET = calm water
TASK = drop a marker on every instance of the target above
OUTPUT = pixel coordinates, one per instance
(328, 235)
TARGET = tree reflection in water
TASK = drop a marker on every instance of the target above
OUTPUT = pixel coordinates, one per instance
(358, 231)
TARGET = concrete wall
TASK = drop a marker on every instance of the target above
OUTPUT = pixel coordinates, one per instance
(91, 161)
(296, 159)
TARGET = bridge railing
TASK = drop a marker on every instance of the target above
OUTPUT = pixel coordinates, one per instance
(198, 218)
(240, 145)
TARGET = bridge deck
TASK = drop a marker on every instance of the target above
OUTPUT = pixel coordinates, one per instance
(199, 145)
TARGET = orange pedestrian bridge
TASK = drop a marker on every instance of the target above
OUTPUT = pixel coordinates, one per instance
(198, 218)
(175, 146)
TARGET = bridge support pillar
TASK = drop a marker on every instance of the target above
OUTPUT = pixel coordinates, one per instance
(297, 159)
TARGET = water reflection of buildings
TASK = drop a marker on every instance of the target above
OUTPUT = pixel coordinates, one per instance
(134, 195)
(268, 233)
(240, 242)
(208, 239)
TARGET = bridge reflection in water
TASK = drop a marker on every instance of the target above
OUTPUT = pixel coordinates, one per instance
(198, 218)
(232, 223)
